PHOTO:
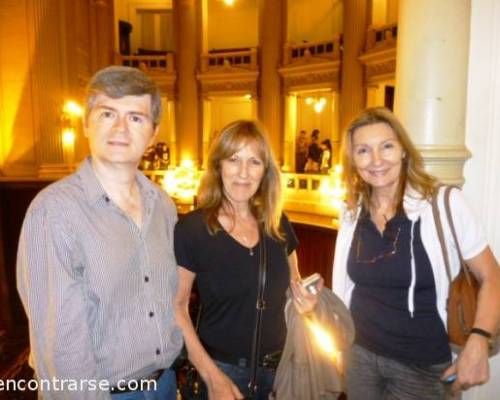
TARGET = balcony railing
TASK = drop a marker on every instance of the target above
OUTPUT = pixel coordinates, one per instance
(241, 59)
(153, 63)
(327, 50)
(381, 36)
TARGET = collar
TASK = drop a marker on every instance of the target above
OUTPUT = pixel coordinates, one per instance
(413, 203)
(94, 190)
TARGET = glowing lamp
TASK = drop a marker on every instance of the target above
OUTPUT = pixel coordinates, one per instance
(72, 109)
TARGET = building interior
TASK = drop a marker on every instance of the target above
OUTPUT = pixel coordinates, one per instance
(292, 64)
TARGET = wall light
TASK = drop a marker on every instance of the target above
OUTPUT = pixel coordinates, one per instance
(71, 112)
(68, 137)
(72, 109)
(229, 2)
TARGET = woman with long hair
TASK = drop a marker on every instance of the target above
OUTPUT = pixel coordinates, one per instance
(219, 244)
(390, 272)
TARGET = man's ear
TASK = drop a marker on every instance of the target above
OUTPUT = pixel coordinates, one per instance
(156, 131)
(85, 128)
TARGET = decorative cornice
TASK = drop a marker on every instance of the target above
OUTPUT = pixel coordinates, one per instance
(228, 81)
(310, 75)
(166, 83)
(380, 64)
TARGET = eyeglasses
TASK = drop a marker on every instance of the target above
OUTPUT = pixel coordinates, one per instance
(379, 256)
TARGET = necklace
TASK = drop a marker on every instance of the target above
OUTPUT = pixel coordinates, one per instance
(246, 241)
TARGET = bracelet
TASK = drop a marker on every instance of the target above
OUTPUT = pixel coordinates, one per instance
(481, 332)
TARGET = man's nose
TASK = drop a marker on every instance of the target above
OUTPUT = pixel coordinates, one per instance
(120, 123)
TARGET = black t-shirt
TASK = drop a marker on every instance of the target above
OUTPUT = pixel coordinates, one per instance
(315, 152)
(227, 278)
(379, 304)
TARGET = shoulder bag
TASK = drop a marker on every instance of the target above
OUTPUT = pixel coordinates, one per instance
(464, 288)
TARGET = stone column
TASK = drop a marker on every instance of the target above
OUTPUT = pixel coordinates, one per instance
(431, 81)
(336, 135)
(47, 87)
(352, 93)
(271, 38)
(207, 129)
(290, 132)
(187, 105)
(101, 33)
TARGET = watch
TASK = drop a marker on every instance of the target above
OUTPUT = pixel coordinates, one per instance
(485, 334)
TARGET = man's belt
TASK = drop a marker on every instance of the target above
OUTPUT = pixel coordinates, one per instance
(270, 360)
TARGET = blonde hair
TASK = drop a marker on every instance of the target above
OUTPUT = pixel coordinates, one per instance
(412, 171)
(266, 203)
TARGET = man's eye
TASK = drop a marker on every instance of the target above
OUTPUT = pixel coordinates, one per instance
(136, 118)
(107, 114)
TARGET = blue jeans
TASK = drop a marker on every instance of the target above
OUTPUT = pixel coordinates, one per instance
(166, 389)
(373, 377)
(241, 377)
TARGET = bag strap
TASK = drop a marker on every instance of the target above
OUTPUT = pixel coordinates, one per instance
(439, 228)
(260, 306)
(447, 207)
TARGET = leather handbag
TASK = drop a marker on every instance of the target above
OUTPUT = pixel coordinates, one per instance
(464, 288)
(189, 380)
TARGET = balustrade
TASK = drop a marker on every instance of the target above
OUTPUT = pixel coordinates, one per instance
(319, 50)
(149, 63)
(381, 36)
(241, 59)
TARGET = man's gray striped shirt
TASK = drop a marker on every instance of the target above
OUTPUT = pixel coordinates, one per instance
(98, 290)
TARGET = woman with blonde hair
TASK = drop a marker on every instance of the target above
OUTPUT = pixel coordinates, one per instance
(220, 244)
(390, 272)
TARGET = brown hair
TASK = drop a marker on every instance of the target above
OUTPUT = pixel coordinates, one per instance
(266, 204)
(412, 171)
(119, 81)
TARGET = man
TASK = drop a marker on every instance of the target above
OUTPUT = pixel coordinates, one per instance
(96, 270)
(314, 153)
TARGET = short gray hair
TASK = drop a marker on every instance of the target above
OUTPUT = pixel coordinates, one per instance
(120, 81)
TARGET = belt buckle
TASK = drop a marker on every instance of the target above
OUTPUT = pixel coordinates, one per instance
(271, 360)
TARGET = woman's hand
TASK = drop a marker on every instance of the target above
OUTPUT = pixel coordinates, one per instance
(303, 300)
(220, 387)
(471, 366)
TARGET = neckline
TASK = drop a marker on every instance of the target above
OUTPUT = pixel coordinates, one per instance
(249, 249)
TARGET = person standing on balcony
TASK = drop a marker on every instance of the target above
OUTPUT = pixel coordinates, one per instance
(326, 156)
(389, 270)
(96, 270)
(220, 245)
(313, 153)
(301, 146)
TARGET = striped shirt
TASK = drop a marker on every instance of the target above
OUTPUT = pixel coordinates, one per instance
(97, 289)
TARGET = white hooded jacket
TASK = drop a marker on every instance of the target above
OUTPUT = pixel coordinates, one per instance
(470, 236)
